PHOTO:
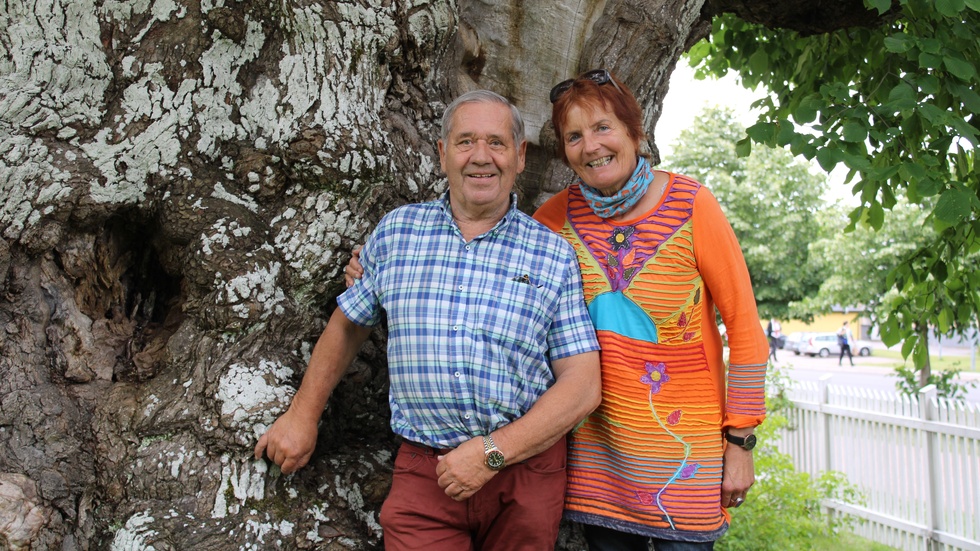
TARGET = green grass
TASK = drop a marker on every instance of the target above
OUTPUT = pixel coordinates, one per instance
(946, 362)
(849, 541)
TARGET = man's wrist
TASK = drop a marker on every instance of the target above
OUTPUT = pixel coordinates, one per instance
(305, 411)
(493, 457)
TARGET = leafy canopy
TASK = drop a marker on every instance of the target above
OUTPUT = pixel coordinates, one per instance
(896, 106)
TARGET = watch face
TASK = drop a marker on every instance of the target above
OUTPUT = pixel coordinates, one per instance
(749, 442)
(495, 460)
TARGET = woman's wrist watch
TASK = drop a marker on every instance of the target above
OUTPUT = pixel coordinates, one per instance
(494, 457)
(745, 442)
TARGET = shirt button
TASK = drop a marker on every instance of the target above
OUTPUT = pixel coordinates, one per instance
(467, 416)
(460, 287)
(455, 328)
(456, 374)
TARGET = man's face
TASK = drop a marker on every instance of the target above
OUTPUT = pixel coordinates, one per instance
(481, 160)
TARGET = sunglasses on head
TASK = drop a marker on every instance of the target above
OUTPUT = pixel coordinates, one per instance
(598, 76)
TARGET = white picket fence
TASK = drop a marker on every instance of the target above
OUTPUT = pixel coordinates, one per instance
(916, 461)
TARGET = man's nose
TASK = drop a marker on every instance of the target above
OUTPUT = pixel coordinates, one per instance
(481, 152)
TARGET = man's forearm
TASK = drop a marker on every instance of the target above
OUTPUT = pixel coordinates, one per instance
(334, 352)
(576, 393)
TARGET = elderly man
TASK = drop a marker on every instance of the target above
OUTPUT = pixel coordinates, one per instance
(492, 354)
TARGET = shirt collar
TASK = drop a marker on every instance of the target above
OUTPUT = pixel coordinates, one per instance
(448, 212)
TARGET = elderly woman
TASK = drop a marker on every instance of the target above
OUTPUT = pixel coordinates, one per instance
(669, 450)
(670, 447)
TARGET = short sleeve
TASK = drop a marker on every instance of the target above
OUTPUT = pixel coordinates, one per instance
(360, 302)
(572, 331)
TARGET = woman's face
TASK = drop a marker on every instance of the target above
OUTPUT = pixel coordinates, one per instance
(598, 147)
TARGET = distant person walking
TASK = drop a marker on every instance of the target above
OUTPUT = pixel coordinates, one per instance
(773, 331)
(844, 339)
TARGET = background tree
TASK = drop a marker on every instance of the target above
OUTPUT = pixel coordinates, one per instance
(859, 266)
(896, 104)
(858, 262)
(180, 183)
(771, 199)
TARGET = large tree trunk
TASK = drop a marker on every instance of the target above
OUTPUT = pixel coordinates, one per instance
(181, 185)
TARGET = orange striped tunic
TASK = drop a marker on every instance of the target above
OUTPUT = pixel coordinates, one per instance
(649, 459)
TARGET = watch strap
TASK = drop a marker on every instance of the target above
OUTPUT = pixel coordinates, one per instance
(746, 442)
(494, 458)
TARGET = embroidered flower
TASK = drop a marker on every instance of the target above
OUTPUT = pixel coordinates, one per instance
(656, 375)
(620, 238)
(674, 417)
(688, 471)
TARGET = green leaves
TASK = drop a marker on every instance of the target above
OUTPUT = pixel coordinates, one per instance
(743, 147)
(881, 5)
(898, 43)
(950, 8)
(959, 67)
(953, 206)
(855, 131)
(807, 109)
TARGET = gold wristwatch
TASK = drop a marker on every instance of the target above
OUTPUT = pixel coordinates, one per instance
(494, 458)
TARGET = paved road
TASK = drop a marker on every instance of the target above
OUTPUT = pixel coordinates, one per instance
(869, 372)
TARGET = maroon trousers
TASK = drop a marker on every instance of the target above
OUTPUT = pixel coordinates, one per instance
(518, 509)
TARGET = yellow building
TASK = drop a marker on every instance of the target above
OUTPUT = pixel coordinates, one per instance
(860, 325)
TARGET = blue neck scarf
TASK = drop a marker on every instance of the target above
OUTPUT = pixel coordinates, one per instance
(623, 200)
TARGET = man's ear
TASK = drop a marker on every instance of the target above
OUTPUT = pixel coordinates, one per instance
(442, 155)
(521, 156)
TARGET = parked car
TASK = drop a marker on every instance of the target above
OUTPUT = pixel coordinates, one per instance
(794, 341)
(825, 344)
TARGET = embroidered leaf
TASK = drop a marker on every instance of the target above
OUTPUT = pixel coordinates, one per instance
(674, 417)
(689, 335)
(688, 471)
(645, 498)
(612, 261)
(629, 258)
(682, 322)
(629, 273)
(697, 296)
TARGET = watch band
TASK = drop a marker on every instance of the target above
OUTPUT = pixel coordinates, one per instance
(493, 457)
(746, 442)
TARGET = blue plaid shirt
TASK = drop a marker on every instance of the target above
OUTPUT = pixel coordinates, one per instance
(472, 327)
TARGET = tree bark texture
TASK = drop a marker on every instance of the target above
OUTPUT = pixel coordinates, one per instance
(181, 183)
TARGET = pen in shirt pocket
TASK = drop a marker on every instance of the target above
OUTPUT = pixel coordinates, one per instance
(525, 279)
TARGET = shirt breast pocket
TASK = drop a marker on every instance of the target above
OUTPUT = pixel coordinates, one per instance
(515, 311)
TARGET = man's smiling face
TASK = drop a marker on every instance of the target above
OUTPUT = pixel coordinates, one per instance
(481, 160)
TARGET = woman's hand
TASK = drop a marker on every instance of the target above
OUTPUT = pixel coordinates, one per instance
(354, 270)
(738, 475)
